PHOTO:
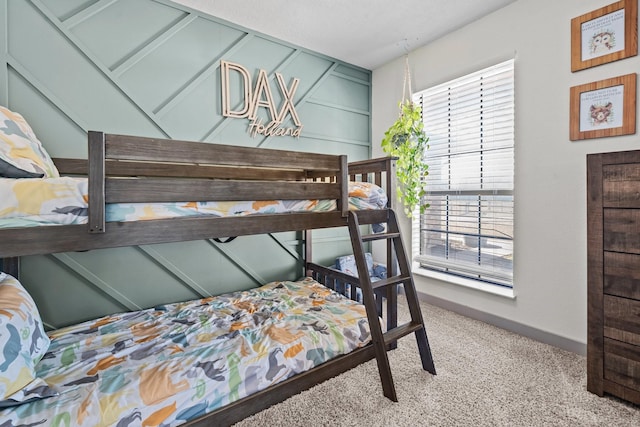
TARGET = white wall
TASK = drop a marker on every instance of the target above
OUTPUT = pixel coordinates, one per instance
(550, 270)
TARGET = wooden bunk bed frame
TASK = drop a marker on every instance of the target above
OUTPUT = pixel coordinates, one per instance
(176, 171)
(136, 169)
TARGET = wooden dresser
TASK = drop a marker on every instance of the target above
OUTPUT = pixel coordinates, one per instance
(613, 251)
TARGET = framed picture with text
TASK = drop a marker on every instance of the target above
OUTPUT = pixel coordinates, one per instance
(603, 108)
(604, 35)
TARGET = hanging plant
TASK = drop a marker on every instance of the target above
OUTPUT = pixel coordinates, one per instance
(407, 141)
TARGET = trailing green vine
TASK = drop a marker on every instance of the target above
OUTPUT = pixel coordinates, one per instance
(407, 141)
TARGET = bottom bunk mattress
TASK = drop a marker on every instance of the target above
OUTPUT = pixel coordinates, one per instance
(175, 362)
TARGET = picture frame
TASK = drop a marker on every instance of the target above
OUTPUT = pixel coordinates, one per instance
(604, 35)
(603, 108)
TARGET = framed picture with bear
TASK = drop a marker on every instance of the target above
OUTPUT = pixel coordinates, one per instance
(603, 108)
(604, 35)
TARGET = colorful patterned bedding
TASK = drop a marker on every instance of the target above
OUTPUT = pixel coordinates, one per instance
(166, 365)
(49, 201)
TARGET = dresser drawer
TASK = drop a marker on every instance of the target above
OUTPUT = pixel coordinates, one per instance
(622, 274)
(621, 185)
(622, 319)
(622, 363)
(621, 230)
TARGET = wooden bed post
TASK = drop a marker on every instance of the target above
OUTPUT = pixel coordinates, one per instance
(96, 141)
(343, 180)
(306, 235)
(11, 266)
(392, 291)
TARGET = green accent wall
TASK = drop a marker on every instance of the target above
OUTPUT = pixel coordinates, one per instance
(151, 68)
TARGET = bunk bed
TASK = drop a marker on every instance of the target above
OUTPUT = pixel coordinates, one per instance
(125, 169)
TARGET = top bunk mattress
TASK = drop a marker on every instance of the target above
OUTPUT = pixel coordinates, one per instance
(31, 202)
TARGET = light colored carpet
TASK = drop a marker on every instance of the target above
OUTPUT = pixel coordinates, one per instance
(486, 377)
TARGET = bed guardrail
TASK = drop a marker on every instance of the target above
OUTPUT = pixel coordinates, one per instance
(136, 169)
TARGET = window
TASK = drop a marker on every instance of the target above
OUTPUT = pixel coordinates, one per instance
(468, 229)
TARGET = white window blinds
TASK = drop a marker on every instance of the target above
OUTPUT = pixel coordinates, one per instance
(468, 228)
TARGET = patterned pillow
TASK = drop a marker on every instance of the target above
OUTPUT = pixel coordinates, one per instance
(21, 153)
(347, 264)
(23, 342)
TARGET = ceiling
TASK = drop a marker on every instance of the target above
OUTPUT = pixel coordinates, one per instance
(366, 33)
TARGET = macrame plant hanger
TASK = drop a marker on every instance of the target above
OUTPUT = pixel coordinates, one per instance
(406, 84)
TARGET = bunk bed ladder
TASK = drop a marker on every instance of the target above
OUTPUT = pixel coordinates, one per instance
(383, 341)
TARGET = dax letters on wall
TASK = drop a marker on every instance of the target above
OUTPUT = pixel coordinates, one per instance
(603, 108)
(251, 98)
(604, 35)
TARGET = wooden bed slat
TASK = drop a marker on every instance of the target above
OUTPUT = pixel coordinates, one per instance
(125, 147)
(71, 166)
(182, 170)
(194, 190)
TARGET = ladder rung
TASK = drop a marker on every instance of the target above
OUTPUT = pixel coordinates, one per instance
(393, 280)
(379, 236)
(401, 331)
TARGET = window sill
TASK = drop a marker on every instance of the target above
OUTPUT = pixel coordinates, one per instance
(467, 283)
